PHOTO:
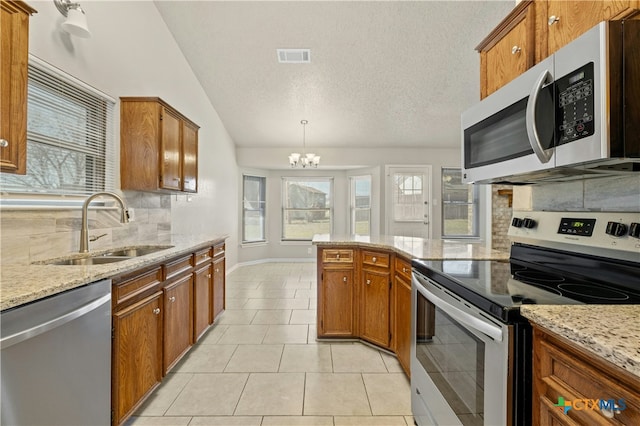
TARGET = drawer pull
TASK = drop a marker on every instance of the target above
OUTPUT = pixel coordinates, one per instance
(374, 259)
(404, 269)
(217, 270)
(368, 282)
(338, 256)
(4, 143)
(344, 279)
(208, 275)
(610, 413)
(516, 49)
(553, 19)
(172, 299)
(156, 311)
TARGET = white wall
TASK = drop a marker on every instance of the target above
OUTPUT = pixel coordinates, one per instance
(132, 53)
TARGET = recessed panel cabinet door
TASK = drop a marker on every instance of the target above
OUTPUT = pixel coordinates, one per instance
(170, 151)
(375, 304)
(202, 300)
(402, 324)
(189, 158)
(218, 291)
(568, 19)
(178, 320)
(337, 317)
(137, 354)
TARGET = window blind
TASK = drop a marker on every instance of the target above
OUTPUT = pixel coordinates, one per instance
(70, 136)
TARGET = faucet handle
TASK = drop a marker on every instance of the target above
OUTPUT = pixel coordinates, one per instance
(96, 237)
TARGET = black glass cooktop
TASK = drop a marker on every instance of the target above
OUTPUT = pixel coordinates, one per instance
(533, 276)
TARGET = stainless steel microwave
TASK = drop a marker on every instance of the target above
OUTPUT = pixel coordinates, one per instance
(574, 115)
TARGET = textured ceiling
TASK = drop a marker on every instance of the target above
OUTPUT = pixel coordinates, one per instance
(382, 74)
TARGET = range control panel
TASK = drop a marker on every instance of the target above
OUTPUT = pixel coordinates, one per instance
(586, 232)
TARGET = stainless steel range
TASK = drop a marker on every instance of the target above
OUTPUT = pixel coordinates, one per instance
(471, 349)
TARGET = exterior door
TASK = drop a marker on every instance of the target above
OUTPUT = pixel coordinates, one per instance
(408, 191)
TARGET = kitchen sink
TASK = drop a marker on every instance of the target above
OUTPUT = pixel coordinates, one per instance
(97, 260)
(106, 257)
(136, 251)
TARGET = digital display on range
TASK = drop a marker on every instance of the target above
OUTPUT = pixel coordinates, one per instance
(581, 227)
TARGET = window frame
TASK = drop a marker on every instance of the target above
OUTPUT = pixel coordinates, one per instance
(262, 200)
(475, 203)
(285, 209)
(353, 208)
(96, 141)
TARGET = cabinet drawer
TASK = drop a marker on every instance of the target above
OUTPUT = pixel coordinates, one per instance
(374, 258)
(203, 256)
(178, 267)
(337, 256)
(403, 267)
(218, 251)
(136, 285)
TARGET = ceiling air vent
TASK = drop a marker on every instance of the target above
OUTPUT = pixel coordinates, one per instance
(294, 56)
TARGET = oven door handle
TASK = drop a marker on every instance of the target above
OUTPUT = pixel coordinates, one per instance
(465, 318)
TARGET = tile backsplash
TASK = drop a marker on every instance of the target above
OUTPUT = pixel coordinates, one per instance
(32, 235)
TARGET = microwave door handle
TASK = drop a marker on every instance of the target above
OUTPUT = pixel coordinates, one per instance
(469, 320)
(532, 131)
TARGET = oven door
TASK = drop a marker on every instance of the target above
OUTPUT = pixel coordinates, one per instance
(460, 367)
(511, 132)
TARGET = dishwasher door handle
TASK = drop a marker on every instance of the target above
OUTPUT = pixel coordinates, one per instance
(29, 333)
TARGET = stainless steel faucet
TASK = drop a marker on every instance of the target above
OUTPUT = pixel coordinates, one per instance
(84, 231)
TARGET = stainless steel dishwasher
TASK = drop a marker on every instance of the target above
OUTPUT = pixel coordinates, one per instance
(56, 359)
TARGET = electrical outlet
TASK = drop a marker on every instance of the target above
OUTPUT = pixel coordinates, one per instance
(309, 250)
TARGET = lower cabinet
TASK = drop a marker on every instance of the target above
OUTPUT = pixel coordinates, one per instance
(137, 354)
(218, 289)
(402, 313)
(336, 308)
(592, 386)
(202, 300)
(159, 311)
(178, 320)
(375, 303)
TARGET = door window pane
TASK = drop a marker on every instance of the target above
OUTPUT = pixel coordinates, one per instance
(408, 196)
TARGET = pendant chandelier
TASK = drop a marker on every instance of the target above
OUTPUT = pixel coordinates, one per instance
(306, 159)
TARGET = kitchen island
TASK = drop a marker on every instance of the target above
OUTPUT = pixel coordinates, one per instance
(364, 285)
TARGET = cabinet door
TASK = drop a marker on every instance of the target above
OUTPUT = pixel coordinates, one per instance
(573, 19)
(189, 157)
(178, 320)
(402, 323)
(202, 301)
(375, 307)
(510, 56)
(137, 354)
(170, 151)
(218, 289)
(14, 25)
(336, 314)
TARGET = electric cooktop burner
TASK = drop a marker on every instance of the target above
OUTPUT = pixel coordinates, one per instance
(593, 292)
(538, 277)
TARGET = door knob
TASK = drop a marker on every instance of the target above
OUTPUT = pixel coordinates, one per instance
(4, 143)
(156, 311)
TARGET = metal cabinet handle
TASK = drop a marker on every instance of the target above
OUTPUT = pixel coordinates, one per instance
(368, 282)
(172, 299)
(553, 19)
(208, 275)
(610, 413)
(156, 311)
(404, 269)
(176, 179)
(516, 49)
(344, 279)
(374, 259)
(4, 143)
(217, 270)
(337, 256)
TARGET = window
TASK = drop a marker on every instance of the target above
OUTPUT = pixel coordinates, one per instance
(459, 206)
(360, 205)
(306, 207)
(253, 209)
(69, 136)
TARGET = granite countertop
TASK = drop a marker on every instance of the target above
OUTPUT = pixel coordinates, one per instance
(415, 248)
(611, 332)
(20, 284)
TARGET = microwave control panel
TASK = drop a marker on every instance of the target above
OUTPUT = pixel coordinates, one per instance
(575, 105)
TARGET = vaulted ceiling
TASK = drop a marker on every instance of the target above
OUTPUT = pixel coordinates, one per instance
(382, 74)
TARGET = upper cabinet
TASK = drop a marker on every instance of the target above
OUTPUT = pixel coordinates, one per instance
(536, 29)
(158, 147)
(14, 26)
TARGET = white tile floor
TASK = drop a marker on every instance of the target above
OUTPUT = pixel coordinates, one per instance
(261, 365)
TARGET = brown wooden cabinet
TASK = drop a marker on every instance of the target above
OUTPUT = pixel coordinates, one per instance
(137, 346)
(375, 298)
(562, 369)
(336, 293)
(178, 316)
(536, 29)
(402, 312)
(158, 147)
(14, 25)
(202, 300)
(218, 285)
